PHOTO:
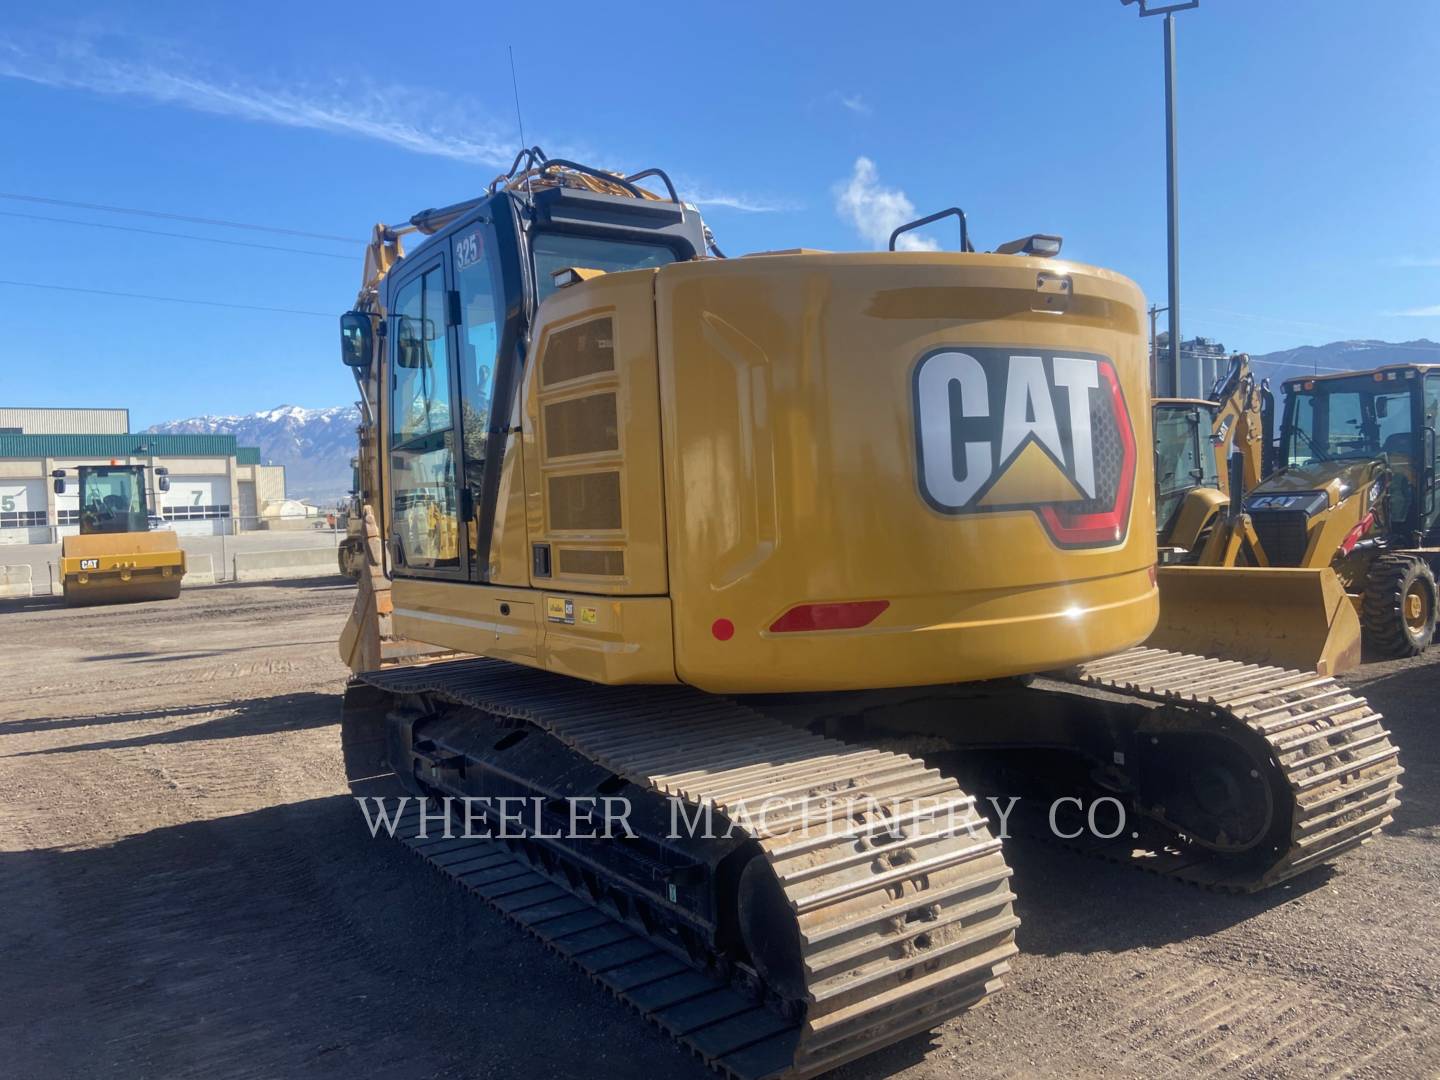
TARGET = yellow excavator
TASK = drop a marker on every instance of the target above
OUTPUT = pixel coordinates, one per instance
(711, 550)
(1194, 441)
(117, 557)
(1336, 549)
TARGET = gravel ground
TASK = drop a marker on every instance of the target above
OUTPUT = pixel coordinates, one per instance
(188, 893)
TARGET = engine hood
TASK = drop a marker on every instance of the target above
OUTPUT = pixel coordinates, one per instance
(1338, 479)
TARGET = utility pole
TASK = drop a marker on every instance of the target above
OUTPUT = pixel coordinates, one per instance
(1172, 183)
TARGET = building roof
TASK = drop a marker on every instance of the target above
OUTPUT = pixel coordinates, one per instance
(117, 446)
(247, 455)
(63, 421)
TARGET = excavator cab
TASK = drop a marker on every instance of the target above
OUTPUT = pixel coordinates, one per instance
(117, 556)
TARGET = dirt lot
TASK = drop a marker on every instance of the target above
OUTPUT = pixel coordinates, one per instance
(186, 892)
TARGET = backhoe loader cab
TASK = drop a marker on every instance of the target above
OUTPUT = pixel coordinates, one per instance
(118, 557)
(1184, 464)
(1357, 489)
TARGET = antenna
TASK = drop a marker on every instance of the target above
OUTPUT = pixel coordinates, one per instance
(519, 120)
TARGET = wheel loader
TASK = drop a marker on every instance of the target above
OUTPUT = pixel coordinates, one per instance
(350, 552)
(118, 557)
(739, 541)
(1194, 440)
(1335, 550)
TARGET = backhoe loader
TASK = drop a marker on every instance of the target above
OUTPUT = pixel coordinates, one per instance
(117, 557)
(1337, 548)
(732, 540)
(1194, 440)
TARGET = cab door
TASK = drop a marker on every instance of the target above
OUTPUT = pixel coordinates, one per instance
(1429, 471)
(424, 460)
(482, 330)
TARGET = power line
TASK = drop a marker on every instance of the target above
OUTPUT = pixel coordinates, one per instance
(176, 235)
(179, 217)
(166, 299)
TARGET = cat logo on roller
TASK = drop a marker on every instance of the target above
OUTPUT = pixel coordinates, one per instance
(1028, 430)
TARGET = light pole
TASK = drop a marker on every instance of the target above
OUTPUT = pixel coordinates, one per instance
(1172, 188)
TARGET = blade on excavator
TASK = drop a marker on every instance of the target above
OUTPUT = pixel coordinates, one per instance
(1298, 618)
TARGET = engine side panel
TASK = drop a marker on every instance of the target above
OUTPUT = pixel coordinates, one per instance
(591, 416)
(796, 472)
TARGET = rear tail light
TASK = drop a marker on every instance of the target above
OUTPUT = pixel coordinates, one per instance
(846, 616)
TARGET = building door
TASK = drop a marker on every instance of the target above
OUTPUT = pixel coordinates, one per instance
(197, 505)
(248, 517)
(22, 512)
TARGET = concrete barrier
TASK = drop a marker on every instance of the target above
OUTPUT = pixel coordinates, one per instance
(289, 563)
(199, 570)
(17, 581)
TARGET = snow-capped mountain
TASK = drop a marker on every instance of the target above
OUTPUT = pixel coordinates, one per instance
(314, 445)
(1343, 356)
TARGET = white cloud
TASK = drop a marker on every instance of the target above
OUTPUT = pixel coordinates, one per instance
(876, 211)
(399, 116)
(704, 197)
(423, 122)
(1430, 311)
(856, 104)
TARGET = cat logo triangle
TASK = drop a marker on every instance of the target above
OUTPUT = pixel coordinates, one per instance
(1032, 477)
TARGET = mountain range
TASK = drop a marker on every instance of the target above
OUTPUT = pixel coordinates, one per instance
(316, 445)
(1343, 356)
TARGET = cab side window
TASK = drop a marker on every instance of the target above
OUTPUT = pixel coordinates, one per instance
(422, 459)
(1430, 452)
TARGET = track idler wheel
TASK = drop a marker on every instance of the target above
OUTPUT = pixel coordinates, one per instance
(1216, 787)
(769, 931)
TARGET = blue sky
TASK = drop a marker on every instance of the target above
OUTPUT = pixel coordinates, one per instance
(1310, 148)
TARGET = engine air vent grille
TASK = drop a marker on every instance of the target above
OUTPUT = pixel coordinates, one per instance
(1283, 535)
(588, 501)
(584, 425)
(577, 351)
(601, 563)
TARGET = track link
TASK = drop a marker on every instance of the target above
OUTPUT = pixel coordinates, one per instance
(1335, 757)
(903, 918)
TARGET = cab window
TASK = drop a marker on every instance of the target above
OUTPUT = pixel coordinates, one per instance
(426, 502)
(556, 251)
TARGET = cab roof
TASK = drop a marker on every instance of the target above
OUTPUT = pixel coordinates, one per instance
(1419, 369)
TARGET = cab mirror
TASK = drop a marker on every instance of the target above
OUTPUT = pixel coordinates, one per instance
(59, 485)
(162, 483)
(1382, 407)
(357, 339)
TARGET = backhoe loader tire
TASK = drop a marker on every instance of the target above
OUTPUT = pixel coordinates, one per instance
(1398, 612)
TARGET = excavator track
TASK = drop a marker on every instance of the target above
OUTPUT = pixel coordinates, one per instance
(891, 888)
(1326, 747)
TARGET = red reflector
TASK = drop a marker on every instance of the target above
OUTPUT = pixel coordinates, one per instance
(1154, 575)
(828, 616)
(723, 629)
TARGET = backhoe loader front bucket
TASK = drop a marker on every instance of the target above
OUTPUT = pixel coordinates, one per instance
(121, 568)
(1298, 618)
